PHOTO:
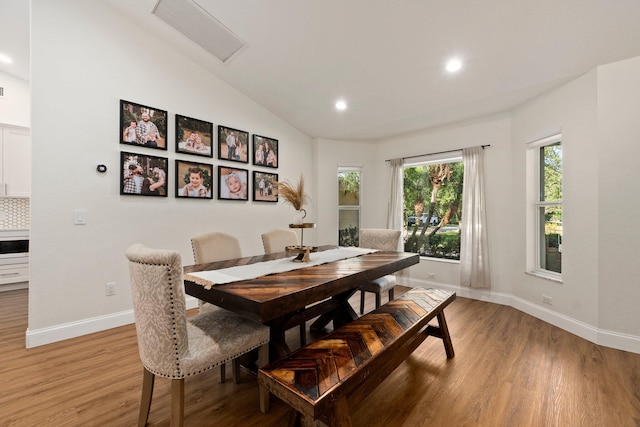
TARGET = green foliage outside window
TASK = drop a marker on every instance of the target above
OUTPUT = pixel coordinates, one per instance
(434, 190)
(348, 207)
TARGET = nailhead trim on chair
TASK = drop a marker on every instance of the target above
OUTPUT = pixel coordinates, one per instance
(179, 376)
(173, 321)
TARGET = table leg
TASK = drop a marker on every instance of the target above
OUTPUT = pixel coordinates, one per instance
(277, 343)
(344, 313)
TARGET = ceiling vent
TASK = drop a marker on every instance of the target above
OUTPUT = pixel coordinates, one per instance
(192, 20)
(1, 92)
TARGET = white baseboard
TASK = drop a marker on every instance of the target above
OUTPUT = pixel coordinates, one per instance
(602, 337)
(606, 338)
(38, 337)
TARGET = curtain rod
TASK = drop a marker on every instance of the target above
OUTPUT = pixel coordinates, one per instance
(439, 152)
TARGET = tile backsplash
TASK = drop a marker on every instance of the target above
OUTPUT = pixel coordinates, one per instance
(14, 213)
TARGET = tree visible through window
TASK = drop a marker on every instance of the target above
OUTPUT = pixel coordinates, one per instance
(348, 206)
(549, 208)
(432, 209)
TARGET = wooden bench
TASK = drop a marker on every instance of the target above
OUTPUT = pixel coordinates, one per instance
(322, 379)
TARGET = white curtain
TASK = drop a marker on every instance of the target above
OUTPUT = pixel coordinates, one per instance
(474, 251)
(394, 215)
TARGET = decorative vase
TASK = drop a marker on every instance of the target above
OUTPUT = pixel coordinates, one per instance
(298, 216)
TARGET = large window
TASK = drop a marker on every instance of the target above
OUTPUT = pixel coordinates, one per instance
(348, 206)
(548, 205)
(433, 205)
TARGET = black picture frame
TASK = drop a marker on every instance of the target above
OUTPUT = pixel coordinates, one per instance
(143, 175)
(268, 190)
(194, 136)
(226, 191)
(241, 140)
(189, 185)
(265, 151)
(135, 130)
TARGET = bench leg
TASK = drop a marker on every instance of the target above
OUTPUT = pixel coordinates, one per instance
(296, 419)
(339, 417)
(446, 338)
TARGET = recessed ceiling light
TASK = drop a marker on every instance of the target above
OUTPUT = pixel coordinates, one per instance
(341, 105)
(454, 65)
(5, 59)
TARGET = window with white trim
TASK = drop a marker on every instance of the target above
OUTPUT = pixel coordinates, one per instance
(547, 206)
(433, 205)
(349, 185)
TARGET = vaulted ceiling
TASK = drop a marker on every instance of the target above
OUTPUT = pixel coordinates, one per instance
(387, 59)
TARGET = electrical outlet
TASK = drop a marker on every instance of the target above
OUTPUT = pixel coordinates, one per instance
(547, 299)
(110, 289)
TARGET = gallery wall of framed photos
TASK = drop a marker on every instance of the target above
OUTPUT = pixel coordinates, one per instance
(146, 129)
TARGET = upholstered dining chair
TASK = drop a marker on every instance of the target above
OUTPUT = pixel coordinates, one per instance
(276, 241)
(383, 240)
(212, 247)
(174, 346)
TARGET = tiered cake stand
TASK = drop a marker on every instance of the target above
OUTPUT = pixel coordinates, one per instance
(302, 250)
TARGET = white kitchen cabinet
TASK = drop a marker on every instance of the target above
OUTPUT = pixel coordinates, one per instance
(15, 172)
(14, 273)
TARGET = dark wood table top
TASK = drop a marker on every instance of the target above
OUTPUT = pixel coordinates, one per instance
(277, 295)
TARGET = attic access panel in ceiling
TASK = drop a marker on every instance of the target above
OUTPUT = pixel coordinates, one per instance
(196, 23)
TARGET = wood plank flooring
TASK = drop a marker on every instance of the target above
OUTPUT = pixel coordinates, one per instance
(510, 369)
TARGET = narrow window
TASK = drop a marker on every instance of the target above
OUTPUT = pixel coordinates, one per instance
(548, 206)
(349, 180)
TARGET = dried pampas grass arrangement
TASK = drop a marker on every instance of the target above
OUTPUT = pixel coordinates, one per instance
(293, 195)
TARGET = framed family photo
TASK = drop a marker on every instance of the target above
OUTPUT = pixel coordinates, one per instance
(265, 187)
(143, 126)
(265, 151)
(194, 180)
(233, 144)
(194, 136)
(233, 183)
(142, 175)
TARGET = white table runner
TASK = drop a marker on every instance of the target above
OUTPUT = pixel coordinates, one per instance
(251, 271)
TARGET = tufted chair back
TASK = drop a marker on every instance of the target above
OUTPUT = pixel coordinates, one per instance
(159, 308)
(276, 240)
(213, 247)
(379, 238)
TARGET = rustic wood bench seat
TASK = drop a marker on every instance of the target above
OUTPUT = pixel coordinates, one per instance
(320, 380)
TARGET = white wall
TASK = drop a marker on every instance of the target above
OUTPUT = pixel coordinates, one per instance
(597, 115)
(82, 66)
(570, 109)
(328, 156)
(619, 196)
(494, 131)
(85, 58)
(16, 104)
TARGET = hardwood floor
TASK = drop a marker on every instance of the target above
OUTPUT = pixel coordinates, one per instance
(510, 369)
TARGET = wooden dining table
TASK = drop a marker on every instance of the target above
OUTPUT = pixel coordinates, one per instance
(287, 299)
